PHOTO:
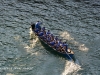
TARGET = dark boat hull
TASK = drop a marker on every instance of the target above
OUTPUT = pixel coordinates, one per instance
(68, 56)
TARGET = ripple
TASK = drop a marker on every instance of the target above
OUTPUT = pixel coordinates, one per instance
(75, 22)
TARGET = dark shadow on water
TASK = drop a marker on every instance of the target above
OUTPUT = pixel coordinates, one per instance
(77, 0)
(34, 1)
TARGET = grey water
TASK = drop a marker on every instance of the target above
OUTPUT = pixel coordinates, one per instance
(74, 21)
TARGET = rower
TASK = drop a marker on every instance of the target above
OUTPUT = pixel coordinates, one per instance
(56, 38)
(45, 37)
(65, 46)
(48, 32)
(58, 46)
(59, 41)
(51, 37)
(40, 33)
(56, 41)
(48, 39)
(36, 30)
(44, 31)
(52, 43)
(43, 28)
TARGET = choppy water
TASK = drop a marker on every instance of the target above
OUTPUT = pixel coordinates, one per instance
(76, 21)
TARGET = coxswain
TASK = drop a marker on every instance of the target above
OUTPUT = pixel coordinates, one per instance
(37, 25)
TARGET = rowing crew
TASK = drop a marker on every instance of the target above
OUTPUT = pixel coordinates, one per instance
(50, 39)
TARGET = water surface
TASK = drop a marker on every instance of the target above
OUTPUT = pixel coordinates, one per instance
(77, 22)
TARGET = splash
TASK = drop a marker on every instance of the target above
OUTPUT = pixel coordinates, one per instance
(83, 47)
(68, 37)
(71, 68)
(10, 74)
(24, 47)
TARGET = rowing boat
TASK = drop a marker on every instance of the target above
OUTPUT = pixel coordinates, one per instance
(66, 55)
